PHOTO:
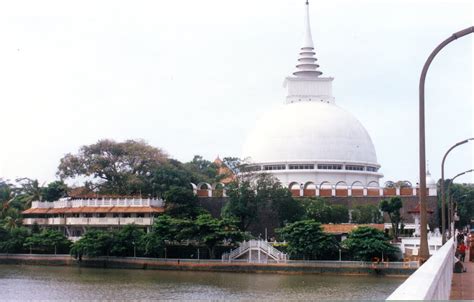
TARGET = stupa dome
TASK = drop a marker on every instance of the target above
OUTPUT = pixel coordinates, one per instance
(309, 131)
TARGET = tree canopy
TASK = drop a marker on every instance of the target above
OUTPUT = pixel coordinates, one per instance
(320, 210)
(463, 197)
(116, 167)
(366, 214)
(251, 194)
(306, 238)
(365, 243)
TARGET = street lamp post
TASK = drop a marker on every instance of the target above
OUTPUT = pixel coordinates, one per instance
(450, 204)
(424, 252)
(443, 195)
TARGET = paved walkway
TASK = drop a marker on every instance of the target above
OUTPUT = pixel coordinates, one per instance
(462, 286)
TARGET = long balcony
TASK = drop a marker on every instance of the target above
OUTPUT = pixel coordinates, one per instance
(44, 221)
(113, 221)
(95, 221)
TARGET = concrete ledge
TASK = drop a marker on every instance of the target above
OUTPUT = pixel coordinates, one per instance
(203, 265)
(432, 281)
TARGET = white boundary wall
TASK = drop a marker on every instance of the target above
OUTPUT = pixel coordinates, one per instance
(432, 281)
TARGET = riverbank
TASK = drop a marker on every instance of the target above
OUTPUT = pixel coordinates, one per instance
(291, 267)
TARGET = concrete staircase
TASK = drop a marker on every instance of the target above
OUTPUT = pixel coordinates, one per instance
(258, 251)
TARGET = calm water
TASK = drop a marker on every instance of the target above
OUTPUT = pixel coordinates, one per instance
(47, 283)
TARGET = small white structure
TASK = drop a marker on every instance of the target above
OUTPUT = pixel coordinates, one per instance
(309, 141)
(257, 251)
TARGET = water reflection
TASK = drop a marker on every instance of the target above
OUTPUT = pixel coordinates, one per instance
(46, 283)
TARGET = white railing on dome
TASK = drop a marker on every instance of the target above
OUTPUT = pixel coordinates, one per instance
(432, 281)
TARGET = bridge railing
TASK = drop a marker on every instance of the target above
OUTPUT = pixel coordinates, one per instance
(432, 281)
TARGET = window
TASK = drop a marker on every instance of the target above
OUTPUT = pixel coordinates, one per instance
(274, 167)
(354, 168)
(252, 168)
(329, 167)
(300, 167)
(372, 169)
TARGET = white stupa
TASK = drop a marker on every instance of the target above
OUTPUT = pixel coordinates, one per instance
(309, 141)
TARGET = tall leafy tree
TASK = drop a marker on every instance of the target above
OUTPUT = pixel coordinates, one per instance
(392, 207)
(243, 202)
(212, 231)
(115, 167)
(317, 209)
(306, 238)
(182, 202)
(55, 190)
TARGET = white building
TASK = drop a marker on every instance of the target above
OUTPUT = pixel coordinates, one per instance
(75, 216)
(309, 142)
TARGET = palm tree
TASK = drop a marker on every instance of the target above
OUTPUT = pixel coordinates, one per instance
(11, 222)
(29, 191)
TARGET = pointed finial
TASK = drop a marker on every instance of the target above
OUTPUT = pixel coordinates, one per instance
(306, 65)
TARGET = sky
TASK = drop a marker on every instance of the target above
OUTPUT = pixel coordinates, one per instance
(192, 77)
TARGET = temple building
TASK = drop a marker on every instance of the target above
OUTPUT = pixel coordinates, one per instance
(309, 140)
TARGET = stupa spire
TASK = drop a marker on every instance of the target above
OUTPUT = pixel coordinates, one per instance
(306, 65)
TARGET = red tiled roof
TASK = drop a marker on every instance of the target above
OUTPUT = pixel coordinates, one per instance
(347, 228)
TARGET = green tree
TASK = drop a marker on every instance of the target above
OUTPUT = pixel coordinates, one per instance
(365, 243)
(392, 208)
(170, 175)
(55, 190)
(317, 209)
(93, 243)
(463, 197)
(29, 190)
(13, 241)
(339, 214)
(306, 238)
(203, 170)
(250, 194)
(126, 240)
(288, 209)
(182, 202)
(243, 202)
(366, 214)
(151, 245)
(48, 241)
(117, 167)
(212, 231)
